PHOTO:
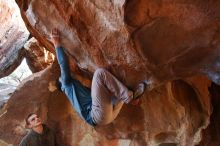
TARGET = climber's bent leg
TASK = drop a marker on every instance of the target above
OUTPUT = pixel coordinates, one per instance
(105, 87)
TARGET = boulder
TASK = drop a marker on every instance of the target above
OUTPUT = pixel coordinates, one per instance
(13, 35)
(37, 57)
(158, 40)
(173, 45)
(175, 112)
(211, 135)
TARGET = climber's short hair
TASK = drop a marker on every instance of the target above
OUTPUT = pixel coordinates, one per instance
(28, 116)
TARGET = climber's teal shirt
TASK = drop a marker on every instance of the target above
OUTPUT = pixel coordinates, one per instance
(78, 95)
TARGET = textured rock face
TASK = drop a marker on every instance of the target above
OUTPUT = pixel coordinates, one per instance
(178, 38)
(164, 42)
(173, 113)
(212, 133)
(5, 92)
(13, 35)
(70, 130)
(160, 39)
(38, 58)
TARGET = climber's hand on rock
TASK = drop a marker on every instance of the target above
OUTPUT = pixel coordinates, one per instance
(55, 37)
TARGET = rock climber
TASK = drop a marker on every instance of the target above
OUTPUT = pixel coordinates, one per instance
(97, 105)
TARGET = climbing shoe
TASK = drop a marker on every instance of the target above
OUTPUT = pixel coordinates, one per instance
(139, 90)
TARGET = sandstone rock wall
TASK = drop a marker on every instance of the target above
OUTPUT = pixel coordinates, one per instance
(38, 58)
(158, 40)
(173, 113)
(13, 35)
(174, 45)
(211, 136)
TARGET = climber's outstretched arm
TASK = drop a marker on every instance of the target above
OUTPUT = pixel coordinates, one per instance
(61, 57)
(64, 66)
